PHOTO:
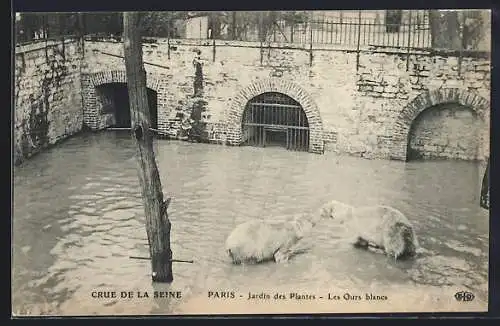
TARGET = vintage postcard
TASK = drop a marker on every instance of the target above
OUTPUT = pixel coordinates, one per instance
(295, 162)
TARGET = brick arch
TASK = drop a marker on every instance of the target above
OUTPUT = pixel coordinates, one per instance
(91, 115)
(235, 112)
(120, 76)
(410, 112)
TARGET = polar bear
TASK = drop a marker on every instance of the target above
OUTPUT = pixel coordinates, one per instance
(257, 241)
(378, 227)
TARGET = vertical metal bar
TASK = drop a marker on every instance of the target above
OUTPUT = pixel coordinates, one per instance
(369, 33)
(300, 125)
(311, 30)
(273, 115)
(300, 122)
(252, 111)
(331, 31)
(263, 137)
(341, 27)
(287, 138)
(364, 31)
(262, 121)
(297, 118)
(297, 148)
(419, 21)
(409, 39)
(262, 115)
(213, 51)
(168, 48)
(323, 30)
(344, 34)
(401, 29)
(261, 54)
(308, 142)
(462, 45)
(304, 140)
(257, 140)
(359, 36)
(302, 137)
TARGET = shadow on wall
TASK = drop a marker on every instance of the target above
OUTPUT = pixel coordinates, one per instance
(115, 100)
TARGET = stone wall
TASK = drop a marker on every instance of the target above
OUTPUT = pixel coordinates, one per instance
(354, 110)
(392, 97)
(48, 105)
(448, 131)
(358, 104)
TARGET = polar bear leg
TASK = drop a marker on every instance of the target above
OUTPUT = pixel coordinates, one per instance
(361, 243)
(285, 253)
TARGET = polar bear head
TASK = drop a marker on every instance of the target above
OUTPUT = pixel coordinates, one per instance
(336, 210)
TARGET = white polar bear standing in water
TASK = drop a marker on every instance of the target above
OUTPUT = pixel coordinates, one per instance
(258, 241)
(379, 227)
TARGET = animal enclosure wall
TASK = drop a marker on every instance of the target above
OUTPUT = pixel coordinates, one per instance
(356, 104)
(359, 107)
(47, 102)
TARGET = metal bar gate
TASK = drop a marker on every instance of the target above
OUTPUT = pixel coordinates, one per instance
(275, 119)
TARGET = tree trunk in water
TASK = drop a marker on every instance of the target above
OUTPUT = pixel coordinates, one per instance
(485, 188)
(233, 26)
(157, 223)
(393, 20)
(445, 29)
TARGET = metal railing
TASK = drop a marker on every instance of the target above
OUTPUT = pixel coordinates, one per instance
(406, 29)
(414, 31)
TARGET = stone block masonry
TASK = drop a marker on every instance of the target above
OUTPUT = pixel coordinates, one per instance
(47, 103)
(370, 110)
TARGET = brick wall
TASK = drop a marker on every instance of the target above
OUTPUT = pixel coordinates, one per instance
(48, 104)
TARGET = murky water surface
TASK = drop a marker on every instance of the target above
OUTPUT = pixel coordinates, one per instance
(78, 216)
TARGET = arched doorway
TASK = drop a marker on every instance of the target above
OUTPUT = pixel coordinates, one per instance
(114, 100)
(444, 131)
(275, 119)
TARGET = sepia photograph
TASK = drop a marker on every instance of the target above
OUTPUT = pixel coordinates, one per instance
(250, 162)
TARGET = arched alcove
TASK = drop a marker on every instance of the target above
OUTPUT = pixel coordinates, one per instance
(433, 99)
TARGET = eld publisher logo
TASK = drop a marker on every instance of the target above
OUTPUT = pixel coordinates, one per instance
(464, 296)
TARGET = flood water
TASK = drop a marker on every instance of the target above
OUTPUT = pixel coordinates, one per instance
(78, 216)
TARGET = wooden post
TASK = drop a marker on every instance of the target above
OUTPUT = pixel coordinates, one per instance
(157, 223)
(233, 27)
(485, 188)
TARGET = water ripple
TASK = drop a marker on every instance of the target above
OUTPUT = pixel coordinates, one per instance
(78, 216)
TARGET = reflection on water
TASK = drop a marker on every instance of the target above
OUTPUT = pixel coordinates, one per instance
(78, 216)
